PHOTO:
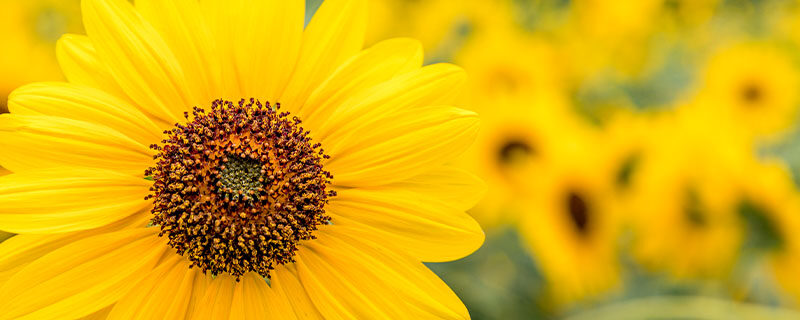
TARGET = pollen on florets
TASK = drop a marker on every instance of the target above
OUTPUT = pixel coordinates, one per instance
(237, 187)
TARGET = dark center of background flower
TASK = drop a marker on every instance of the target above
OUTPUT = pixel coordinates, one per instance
(578, 210)
(513, 151)
(752, 93)
(235, 189)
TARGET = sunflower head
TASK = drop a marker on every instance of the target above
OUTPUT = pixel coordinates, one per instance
(237, 187)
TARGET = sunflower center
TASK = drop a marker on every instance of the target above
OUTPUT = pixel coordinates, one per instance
(514, 151)
(236, 188)
(578, 210)
(752, 93)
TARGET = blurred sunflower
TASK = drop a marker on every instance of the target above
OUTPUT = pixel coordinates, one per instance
(247, 217)
(569, 222)
(440, 25)
(762, 96)
(516, 135)
(29, 30)
(492, 58)
(683, 191)
(768, 208)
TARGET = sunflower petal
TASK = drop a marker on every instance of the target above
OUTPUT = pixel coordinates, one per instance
(78, 102)
(63, 200)
(137, 58)
(431, 85)
(254, 299)
(285, 283)
(181, 24)
(398, 146)
(22, 249)
(348, 277)
(216, 303)
(259, 42)
(163, 294)
(450, 185)
(335, 33)
(368, 69)
(416, 221)
(82, 277)
(79, 63)
(35, 142)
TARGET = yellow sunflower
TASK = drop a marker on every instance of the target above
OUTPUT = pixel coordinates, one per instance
(439, 24)
(492, 57)
(761, 96)
(152, 185)
(569, 221)
(516, 135)
(768, 207)
(29, 30)
(682, 193)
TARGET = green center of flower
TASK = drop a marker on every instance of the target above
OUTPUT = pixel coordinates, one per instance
(235, 189)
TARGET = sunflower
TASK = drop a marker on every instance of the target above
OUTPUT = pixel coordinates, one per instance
(768, 206)
(29, 30)
(172, 174)
(440, 25)
(761, 96)
(682, 194)
(492, 58)
(517, 134)
(570, 223)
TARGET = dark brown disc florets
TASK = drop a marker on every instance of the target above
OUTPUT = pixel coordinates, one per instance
(237, 187)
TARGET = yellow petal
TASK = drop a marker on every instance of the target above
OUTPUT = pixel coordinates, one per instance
(450, 185)
(285, 283)
(163, 294)
(79, 63)
(416, 221)
(22, 249)
(82, 277)
(253, 299)
(137, 58)
(335, 33)
(181, 24)
(348, 277)
(36, 142)
(63, 200)
(369, 68)
(431, 85)
(259, 42)
(397, 146)
(79, 102)
(98, 315)
(216, 304)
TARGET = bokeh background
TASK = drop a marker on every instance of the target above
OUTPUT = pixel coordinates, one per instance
(641, 156)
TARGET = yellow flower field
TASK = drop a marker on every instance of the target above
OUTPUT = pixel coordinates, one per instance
(400, 159)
